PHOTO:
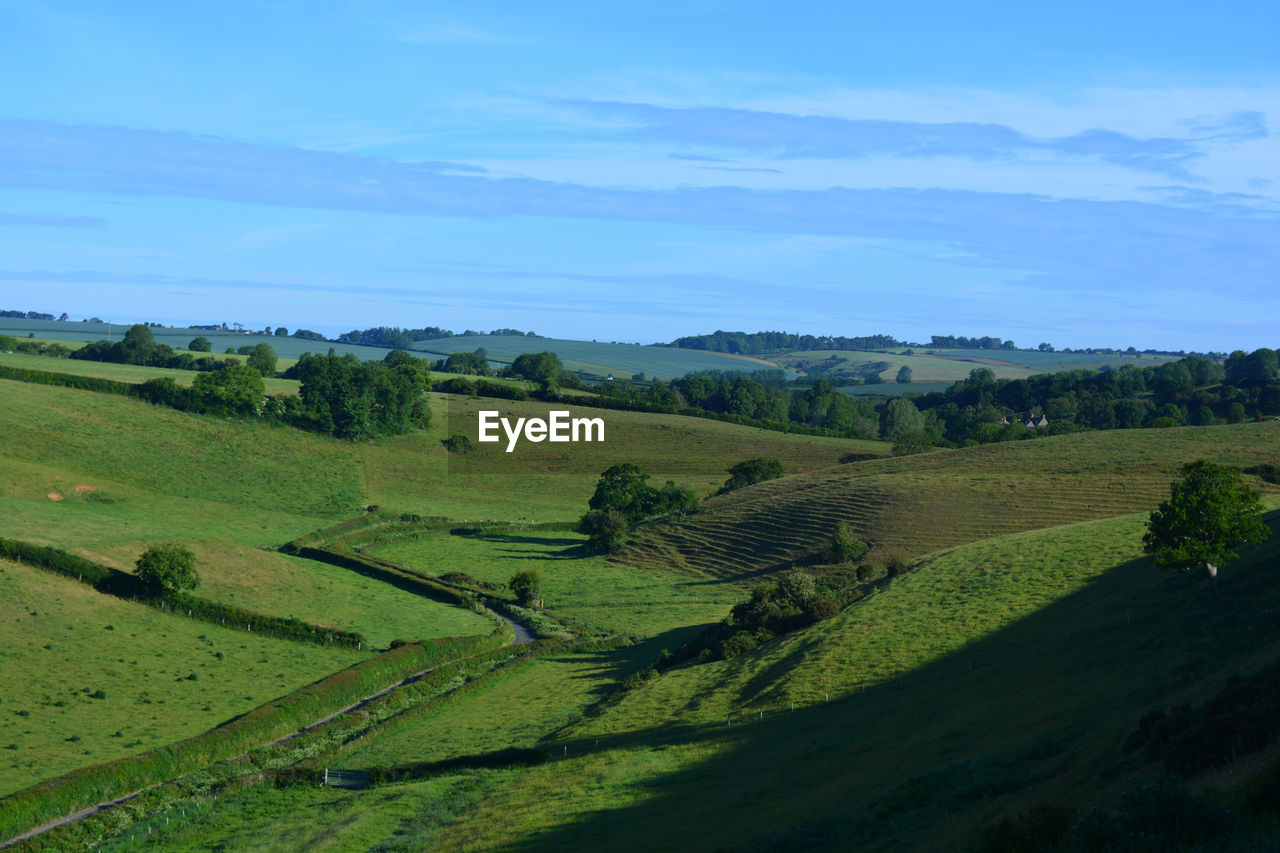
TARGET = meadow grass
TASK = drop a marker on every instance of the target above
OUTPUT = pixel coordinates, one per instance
(908, 506)
(585, 590)
(64, 642)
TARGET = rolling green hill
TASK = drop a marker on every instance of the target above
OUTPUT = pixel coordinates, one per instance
(908, 506)
(1005, 667)
(621, 361)
(999, 675)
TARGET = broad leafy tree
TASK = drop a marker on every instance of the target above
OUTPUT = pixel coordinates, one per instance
(527, 586)
(542, 367)
(752, 471)
(1209, 512)
(200, 344)
(168, 567)
(262, 358)
(606, 530)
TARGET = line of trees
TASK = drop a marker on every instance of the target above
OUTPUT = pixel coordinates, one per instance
(980, 409)
(743, 343)
(138, 346)
(393, 336)
(30, 315)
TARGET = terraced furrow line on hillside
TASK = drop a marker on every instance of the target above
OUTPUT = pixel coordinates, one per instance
(910, 506)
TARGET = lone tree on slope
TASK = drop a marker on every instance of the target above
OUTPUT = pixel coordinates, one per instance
(168, 568)
(1209, 512)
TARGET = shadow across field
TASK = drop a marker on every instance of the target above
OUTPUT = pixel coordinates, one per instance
(1034, 712)
(540, 547)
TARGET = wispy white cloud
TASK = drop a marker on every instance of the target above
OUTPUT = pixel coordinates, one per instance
(813, 136)
(1095, 245)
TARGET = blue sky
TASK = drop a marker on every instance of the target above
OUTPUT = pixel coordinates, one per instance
(1084, 175)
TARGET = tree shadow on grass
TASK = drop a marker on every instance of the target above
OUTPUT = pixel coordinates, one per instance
(934, 752)
(515, 538)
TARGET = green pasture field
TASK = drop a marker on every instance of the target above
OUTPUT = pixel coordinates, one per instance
(589, 590)
(622, 361)
(64, 641)
(315, 592)
(1021, 665)
(159, 472)
(908, 506)
(552, 482)
(132, 373)
(929, 366)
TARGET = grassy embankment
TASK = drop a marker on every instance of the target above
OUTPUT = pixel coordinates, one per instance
(909, 506)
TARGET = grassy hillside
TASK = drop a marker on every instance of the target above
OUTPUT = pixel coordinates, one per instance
(1001, 675)
(63, 642)
(998, 675)
(82, 468)
(1005, 668)
(621, 361)
(552, 482)
(908, 506)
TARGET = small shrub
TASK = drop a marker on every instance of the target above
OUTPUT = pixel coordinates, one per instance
(635, 679)
(526, 585)
(98, 694)
(457, 443)
(737, 644)
(845, 546)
